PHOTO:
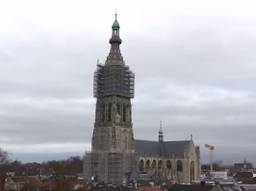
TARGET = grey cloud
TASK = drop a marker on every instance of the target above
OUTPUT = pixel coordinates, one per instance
(194, 71)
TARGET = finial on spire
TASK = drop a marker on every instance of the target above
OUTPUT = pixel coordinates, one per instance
(116, 14)
(191, 137)
(160, 133)
(115, 25)
(160, 129)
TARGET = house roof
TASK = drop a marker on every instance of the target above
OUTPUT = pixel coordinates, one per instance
(166, 148)
(227, 187)
(33, 180)
(178, 187)
(243, 165)
(244, 174)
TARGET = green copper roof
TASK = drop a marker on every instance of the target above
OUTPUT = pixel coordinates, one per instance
(115, 25)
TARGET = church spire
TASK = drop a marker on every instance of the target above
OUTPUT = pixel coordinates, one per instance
(115, 32)
(160, 133)
(115, 56)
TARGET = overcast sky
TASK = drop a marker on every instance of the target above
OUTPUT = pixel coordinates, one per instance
(194, 62)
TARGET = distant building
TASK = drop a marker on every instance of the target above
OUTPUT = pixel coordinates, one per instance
(245, 166)
(115, 155)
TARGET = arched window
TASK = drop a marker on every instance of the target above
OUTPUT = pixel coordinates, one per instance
(118, 108)
(127, 112)
(154, 164)
(159, 164)
(103, 112)
(109, 111)
(126, 142)
(179, 166)
(141, 165)
(124, 112)
(148, 164)
(168, 164)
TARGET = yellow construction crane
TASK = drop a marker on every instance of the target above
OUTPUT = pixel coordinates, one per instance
(211, 148)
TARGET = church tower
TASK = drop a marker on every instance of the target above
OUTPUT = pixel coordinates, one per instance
(113, 88)
(112, 142)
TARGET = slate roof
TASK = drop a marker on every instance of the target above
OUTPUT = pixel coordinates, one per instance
(166, 148)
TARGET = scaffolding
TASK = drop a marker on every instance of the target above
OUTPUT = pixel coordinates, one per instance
(115, 167)
(111, 167)
(91, 161)
(113, 80)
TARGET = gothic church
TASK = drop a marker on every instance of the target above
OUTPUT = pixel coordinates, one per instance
(116, 156)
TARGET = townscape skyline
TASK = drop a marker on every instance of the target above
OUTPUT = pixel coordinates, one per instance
(193, 63)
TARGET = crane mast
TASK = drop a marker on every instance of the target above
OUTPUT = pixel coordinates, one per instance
(210, 148)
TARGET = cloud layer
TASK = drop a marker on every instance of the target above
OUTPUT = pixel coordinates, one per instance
(194, 64)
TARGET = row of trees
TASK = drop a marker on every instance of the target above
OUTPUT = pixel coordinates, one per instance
(3, 156)
(62, 173)
(71, 166)
(3, 160)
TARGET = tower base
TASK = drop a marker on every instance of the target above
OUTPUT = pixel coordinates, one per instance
(109, 167)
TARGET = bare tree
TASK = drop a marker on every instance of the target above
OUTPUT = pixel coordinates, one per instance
(3, 160)
(3, 156)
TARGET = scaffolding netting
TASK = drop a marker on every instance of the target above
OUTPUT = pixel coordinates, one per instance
(113, 80)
